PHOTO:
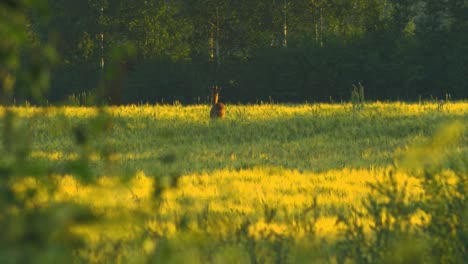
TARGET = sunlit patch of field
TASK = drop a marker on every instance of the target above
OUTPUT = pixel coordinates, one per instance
(223, 200)
(197, 113)
(271, 172)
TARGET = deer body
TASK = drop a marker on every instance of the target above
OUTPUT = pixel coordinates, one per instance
(218, 110)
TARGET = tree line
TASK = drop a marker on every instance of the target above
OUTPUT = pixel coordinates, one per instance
(256, 50)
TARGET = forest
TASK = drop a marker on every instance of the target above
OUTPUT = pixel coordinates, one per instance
(256, 50)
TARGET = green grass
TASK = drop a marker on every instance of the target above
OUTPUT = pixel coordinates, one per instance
(304, 137)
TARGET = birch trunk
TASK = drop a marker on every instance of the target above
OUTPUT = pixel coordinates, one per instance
(321, 27)
(285, 24)
(212, 54)
(218, 62)
(102, 40)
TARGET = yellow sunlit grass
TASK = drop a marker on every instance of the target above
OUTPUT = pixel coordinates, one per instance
(260, 112)
(234, 195)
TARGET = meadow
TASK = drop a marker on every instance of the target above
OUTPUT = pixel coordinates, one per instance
(270, 183)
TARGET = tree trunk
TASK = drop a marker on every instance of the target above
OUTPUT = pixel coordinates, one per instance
(218, 61)
(321, 27)
(102, 40)
(317, 10)
(212, 54)
(285, 24)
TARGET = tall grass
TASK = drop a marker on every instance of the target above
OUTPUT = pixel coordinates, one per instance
(269, 184)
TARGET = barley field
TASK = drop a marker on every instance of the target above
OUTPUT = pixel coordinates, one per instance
(268, 184)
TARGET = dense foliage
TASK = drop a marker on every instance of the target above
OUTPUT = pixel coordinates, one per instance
(302, 50)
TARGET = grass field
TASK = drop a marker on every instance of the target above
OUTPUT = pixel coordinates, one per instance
(265, 185)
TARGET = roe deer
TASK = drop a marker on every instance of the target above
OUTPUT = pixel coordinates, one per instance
(218, 110)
